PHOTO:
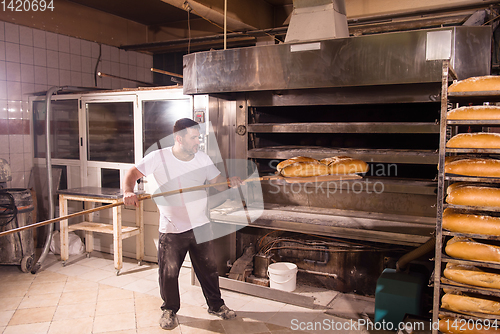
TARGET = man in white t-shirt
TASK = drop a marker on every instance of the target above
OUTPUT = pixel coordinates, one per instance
(179, 167)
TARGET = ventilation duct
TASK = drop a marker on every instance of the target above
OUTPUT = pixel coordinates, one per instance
(313, 20)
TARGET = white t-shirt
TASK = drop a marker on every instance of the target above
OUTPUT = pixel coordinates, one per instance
(179, 212)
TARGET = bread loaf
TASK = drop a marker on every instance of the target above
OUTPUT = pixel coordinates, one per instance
(475, 113)
(345, 165)
(472, 276)
(455, 221)
(467, 304)
(454, 186)
(484, 167)
(476, 84)
(468, 249)
(294, 160)
(451, 325)
(451, 158)
(305, 169)
(475, 140)
(470, 195)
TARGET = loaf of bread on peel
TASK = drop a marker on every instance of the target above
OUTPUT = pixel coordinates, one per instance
(471, 275)
(302, 167)
(469, 249)
(451, 325)
(474, 140)
(467, 304)
(482, 167)
(476, 84)
(345, 165)
(305, 169)
(456, 221)
(474, 195)
(292, 161)
(475, 113)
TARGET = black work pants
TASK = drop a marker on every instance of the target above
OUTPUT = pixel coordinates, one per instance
(172, 250)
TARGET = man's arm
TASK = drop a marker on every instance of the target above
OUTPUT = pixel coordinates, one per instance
(129, 197)
(232, 182)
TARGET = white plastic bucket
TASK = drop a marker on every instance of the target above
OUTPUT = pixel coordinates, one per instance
(282, 275)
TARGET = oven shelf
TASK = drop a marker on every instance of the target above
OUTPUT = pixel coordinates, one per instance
(377, 155)
(472, 208)
(366, 226)
(464, 178)
(446, 283)
(446, 258)
(491, 96)
(347, 127)
(470, 235)
(474, 150)
(495, 122)
(479, 316)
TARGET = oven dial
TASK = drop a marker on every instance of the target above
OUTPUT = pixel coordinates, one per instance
(241, 130)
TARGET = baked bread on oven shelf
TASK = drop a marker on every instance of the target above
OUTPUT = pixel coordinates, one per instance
(486, 112)
(471, 166)
(473, 194)
(476, 84)
(469, 249)
(472, 275)
(474, 140)
(464, 222)
(468, 304)
(308, 167)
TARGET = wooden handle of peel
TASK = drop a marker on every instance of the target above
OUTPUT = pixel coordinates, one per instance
(109, 206)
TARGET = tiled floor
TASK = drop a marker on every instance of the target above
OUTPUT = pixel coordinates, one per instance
(86, 296)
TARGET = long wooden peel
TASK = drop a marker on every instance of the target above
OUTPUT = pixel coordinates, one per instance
(313, 179)
(109, 206)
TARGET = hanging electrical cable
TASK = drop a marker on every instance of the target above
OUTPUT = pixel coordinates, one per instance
(96, 73)
(188, 9)
(8, 211)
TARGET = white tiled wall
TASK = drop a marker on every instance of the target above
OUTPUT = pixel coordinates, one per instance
(33, 60)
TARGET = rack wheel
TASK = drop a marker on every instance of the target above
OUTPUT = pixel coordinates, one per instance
(64, 264)
(27, 263)
(140, 263)
(118, 272)
(88, 255)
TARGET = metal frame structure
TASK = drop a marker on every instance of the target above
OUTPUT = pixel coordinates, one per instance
(453, 100)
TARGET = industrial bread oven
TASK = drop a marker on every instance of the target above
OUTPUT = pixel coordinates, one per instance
(374, 98)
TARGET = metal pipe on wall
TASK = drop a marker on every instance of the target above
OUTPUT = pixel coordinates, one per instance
(225, 24)
(48, 159)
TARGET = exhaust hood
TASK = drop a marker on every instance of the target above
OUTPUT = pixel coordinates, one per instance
(391, 58)
(317, 20)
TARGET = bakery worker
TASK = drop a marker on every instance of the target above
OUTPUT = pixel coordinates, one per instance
(182, 217)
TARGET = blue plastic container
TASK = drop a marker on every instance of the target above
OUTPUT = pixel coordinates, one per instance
(397, 294)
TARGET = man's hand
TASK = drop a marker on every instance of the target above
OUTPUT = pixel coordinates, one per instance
(131, 176)
(234, 181)
(130, 198)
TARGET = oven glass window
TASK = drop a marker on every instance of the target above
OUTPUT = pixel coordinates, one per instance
(159, 119)
(111, 131)
(64, 136)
